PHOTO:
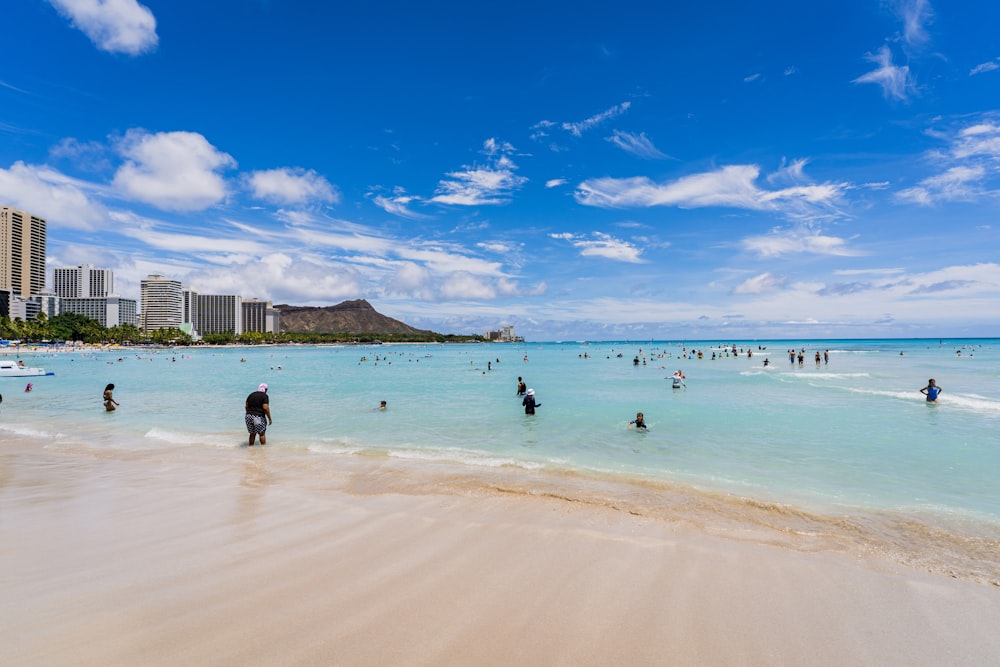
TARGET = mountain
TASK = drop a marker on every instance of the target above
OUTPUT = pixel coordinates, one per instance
(356, 316)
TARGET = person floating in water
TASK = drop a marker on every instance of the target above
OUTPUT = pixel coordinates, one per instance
(931, 391)
(109, 402)
(529, 402)
(639, 422)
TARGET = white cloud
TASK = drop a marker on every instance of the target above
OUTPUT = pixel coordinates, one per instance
(955, 184)
(636, 144)
(482, 185)
(765, 282)
(987, 66)
(44, 192)
(603, 245)
(578, 128)
(116, 26)
(916, 14)
(290, 185)
(732, 186)
(751, 78)
(398, 204)
(174, 171)
(555, 182)
(895, 80)
(782, 242)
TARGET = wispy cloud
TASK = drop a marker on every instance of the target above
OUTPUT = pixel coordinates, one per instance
(115, 26)
(895, 80)
(987, 66)
(398, 204)
(478, 185)
(174, 171)
(916, 14)
(603, 245)
(64, 202)
(636, 144)
(555, 182)
(970, 167)
(291, 185)
(797, 241)
(732, 186)
(761, 284)
(578, 128)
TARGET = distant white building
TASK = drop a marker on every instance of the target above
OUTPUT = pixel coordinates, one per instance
(162, 303)
(108, 311)
(82, 282)
(260, 316)
(502, 335)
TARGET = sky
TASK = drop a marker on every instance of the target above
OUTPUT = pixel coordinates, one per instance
(578, 170)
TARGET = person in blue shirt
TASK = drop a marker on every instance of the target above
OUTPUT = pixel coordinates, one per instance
(931, 391)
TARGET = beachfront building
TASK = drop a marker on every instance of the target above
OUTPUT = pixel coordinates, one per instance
(189, 311)
(260, 316)
(108, 311)
(22, 252)
(502, 335)
(48, 303)
(162, 303)
(219, 313)
(82, 282)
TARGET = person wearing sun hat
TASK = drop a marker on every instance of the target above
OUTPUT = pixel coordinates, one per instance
(258, 414)
(529, 402)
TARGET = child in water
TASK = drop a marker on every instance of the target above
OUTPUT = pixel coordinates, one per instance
(639, 422)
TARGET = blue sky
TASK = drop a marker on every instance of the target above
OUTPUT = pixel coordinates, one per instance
(579, 170)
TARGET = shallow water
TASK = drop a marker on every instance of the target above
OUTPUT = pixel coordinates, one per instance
(852, 437)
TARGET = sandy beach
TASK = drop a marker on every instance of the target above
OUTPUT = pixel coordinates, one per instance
(257, 556)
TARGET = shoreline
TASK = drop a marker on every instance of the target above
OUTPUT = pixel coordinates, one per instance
(265, 556)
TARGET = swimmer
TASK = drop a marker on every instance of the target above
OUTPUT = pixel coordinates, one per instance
(29, 387)
(382, 405)
(639, 422)
(931, 391)
(109, 402)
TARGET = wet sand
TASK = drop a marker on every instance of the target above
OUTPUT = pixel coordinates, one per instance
(261, 556)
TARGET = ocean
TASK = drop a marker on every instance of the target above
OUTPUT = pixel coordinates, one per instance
(844, 452)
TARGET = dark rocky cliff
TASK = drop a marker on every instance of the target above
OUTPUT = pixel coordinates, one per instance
(355, 316)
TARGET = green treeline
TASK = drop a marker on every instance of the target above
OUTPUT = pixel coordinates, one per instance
(68, 327)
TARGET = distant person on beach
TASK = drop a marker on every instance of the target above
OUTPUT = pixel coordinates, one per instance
(639, 422)
(931, 391)
(109, 402)
(258, 415)
(529, 402)
(521, 387)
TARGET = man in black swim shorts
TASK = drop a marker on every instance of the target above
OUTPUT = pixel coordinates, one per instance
(258, 415)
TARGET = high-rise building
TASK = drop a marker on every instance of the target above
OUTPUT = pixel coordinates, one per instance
(108, 311)
(219, 313)
(83, 281)
(162, 303)
(22, 252)
(189, 309)
(260, 316)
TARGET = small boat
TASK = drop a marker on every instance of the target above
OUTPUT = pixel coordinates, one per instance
(17, 369)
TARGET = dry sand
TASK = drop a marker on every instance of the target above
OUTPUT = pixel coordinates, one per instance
(259, 556)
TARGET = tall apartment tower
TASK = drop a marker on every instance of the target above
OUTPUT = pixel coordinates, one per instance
(260, 316)
(219, 313)
(189, 310)
(22, 252)
(83, 282)
(162, 303)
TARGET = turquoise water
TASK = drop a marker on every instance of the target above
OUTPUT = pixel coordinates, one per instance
(851, 435)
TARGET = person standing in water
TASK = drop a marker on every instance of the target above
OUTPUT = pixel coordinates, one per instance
(258, 414)
(110, 404)
(931, 391)
(521, 387)
(529, 402)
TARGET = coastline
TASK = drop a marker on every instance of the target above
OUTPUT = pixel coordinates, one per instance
(263, 556)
